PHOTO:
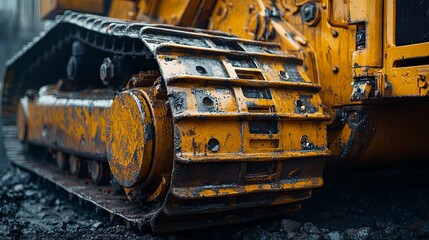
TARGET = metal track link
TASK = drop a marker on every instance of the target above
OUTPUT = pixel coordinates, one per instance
(117, 205)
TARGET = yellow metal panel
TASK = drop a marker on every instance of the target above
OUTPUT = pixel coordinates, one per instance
(50, 8)
(326, 49)
(123, 9)
(404, 79)
(369, 15)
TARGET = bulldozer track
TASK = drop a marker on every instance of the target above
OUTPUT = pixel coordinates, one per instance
(117, 205)
(188, 67)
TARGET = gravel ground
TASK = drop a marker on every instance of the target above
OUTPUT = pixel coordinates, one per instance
(365, 204)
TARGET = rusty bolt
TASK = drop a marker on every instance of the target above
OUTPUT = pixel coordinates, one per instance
(308, 12)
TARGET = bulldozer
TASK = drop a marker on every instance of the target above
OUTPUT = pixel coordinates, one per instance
(185, 114)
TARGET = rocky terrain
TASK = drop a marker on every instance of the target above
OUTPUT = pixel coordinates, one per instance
(365, 204)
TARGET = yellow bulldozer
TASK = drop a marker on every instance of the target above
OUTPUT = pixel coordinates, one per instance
(181, 114)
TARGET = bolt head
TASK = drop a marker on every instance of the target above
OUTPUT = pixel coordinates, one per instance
(308, 12)
(31, 94)
(106, 71)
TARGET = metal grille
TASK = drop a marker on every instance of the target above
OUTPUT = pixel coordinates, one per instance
(412, 19)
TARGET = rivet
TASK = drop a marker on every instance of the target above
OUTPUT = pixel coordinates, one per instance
(334, 33)
(335, 69)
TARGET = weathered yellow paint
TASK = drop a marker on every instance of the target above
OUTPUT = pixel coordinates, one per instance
(316, 44)
(50, 8)
(139, 158)
(61, 122)
(130, 142)
(122, 9)
(190, 13)
(214, 152)
(402, 80)
(332, 58)
(207, 192)
(139, 143)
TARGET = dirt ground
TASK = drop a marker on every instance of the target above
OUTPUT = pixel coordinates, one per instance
(361, 204)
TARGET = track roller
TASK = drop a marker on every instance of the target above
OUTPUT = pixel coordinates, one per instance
(76, 165)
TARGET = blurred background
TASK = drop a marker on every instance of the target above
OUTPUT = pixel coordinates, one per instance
(19, 23)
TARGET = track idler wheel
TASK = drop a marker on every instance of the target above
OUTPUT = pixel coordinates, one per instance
(139, 142)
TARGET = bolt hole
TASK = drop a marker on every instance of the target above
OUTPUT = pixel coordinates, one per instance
(208, 102)
(283, 75)
(213, 145)
(300, 104)
(305, 143)
(201, 70)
